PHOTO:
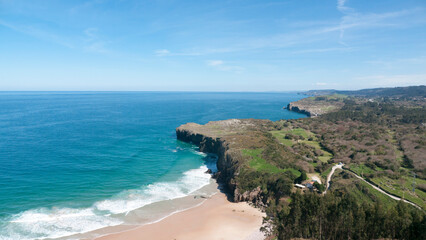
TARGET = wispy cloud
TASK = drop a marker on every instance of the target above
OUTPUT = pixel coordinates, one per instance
(162, 53)
(215, 62)
(165, 52)
(322, 50)
(310, 35)
(85, 5)
(393, 80)
(341, 6)
(222, 66)
(192, 52)
(390, 63)
(39, 33)
(354, 19)
(93, 42)
(88, 40)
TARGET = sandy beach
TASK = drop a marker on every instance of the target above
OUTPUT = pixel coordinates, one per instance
(216, 218)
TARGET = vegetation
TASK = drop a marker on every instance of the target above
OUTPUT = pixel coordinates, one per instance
(342, 216)
(380, 141)
(381, 138)
(411, 93)
(260, 164)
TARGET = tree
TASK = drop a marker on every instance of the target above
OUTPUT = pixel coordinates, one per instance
(319, 187)
(302, 177)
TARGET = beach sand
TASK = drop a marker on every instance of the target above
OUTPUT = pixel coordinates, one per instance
(215, 219)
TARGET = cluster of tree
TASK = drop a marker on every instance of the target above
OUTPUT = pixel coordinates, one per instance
(341, 216)
(377, 112)
(293, 137)
(354, 142)
(273, 185)
(397, 92)
(382, 136)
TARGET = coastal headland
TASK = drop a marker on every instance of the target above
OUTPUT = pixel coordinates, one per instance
(281, 167)
(377, 135)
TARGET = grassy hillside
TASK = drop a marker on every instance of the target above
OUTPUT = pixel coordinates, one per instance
(381, 139)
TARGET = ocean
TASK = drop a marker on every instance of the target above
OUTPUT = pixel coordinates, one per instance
(75, 162)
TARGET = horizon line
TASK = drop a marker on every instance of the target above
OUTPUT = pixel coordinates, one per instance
(203, 91)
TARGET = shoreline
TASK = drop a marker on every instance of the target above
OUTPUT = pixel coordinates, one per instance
(214, 218)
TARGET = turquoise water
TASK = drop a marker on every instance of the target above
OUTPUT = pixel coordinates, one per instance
(71, 161)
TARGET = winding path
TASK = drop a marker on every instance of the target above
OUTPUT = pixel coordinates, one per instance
(382, 191)
(375, 187)
(331, 174)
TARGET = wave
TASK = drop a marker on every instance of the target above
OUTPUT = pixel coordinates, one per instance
(61, 222)
(133, 199)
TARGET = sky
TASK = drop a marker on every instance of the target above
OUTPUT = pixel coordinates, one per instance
(234, 45)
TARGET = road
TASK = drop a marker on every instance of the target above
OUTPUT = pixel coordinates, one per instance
(375, 187)
(389, 195)
(331, 174)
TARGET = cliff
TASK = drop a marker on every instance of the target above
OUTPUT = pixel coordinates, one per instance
(300, 109)
(316, 106)
(226, 139)
(259, 160)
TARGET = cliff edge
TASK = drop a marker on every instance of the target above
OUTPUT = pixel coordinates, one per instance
(316, 106)
(227, 139)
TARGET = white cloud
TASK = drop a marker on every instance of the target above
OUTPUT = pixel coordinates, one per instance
(162, 53)
(39, 33)
(222, 66)
(394, 63)
(89, 40)
(321, 50)
(93, 43)
(214, 62)
(353, 19)
(341, 5)
(86, 5)
(350, 20)
(393, 80)
(320, 83)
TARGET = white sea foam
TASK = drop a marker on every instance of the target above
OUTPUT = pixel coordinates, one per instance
(199, 153)
(133, 199)
(55, 223)
(60, 222)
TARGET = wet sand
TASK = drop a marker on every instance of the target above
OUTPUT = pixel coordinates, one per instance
(216, 218)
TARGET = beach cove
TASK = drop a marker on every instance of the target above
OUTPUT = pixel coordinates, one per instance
(83, 165)
(216, 218)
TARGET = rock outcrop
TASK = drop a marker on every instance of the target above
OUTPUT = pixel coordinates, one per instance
(315, 106)
(293, 107)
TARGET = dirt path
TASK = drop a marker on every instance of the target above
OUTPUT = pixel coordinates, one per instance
(331, 174)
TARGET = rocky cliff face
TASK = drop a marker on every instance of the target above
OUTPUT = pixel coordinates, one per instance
(228, 162)
(315, 106)
(294, 108)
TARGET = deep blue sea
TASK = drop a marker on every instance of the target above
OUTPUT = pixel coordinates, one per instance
(72, 162)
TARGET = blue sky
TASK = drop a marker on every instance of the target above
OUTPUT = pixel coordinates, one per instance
(235, 45)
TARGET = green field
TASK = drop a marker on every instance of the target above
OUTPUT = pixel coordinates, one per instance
(326, 172)
(361, 169)
(259, 164)
(362, 196)
(280, 135)
(335, 96)
(403, 188)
